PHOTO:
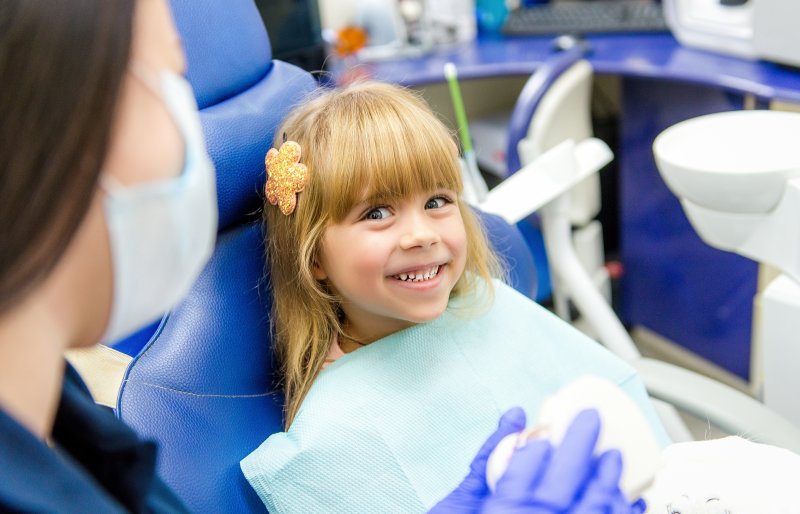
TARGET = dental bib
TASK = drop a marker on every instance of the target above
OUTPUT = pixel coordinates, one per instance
(393, 426)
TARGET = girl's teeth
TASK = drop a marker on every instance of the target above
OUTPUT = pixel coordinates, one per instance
(419, 276)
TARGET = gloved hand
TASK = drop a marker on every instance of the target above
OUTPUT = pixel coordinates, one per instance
(469, 496)
(541, 479)
(544, 480)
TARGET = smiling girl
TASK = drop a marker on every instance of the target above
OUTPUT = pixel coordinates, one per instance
(376, 263)
(379, 239)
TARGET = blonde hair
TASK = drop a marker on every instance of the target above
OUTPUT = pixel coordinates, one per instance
(371, 138)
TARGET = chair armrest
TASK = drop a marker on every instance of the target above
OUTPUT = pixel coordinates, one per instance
(553, 173)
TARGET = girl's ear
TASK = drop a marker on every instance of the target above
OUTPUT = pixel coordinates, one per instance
(319, 271)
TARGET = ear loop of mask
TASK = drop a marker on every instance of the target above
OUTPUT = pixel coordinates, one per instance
(145, 76)
(109, 184)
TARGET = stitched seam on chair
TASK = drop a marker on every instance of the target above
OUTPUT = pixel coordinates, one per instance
(188, 393)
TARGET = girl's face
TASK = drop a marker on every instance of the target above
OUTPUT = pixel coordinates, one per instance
(394, 263)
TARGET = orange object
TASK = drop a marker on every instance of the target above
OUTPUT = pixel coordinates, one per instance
(350, 40)
(285, 176)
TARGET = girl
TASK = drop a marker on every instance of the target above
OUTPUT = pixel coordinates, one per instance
(376, 264)
(378, 160)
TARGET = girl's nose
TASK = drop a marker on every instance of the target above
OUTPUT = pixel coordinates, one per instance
(418, 233)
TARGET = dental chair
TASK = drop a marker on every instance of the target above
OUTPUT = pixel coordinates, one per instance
(203, 386)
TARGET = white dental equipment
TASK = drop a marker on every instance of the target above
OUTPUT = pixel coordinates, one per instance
(711, 25)
(737, 175)
(542, 185)
(764, 29)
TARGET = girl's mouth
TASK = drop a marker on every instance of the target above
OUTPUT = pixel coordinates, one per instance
(420, 275)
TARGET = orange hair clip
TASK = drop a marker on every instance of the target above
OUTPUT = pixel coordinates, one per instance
(286, 176)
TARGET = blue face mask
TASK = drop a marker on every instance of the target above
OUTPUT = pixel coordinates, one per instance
(162, 233)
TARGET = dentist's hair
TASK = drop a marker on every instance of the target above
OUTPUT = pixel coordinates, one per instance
(62, 65)
(368, 138)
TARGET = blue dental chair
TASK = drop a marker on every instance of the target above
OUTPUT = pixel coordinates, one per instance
(203, 385)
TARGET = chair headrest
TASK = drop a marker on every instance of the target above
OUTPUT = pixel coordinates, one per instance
(242, 94)
(530, 97)
(226, 44)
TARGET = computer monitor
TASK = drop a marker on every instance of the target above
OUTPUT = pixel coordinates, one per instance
(294, 31)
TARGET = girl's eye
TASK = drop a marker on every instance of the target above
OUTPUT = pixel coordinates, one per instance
(437, 202)
(378, 213)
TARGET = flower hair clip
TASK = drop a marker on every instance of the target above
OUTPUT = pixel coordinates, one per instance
(286, 176)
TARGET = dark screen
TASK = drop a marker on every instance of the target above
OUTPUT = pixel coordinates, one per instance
(294, 31)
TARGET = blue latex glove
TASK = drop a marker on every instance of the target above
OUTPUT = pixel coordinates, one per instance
(544, 480)
(541, 479)
(469, 496)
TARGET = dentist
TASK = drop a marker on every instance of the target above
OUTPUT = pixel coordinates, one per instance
(108, 213)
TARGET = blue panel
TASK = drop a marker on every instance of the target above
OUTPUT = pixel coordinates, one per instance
(675, 284)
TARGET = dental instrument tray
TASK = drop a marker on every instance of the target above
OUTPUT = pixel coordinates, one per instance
(586, 17)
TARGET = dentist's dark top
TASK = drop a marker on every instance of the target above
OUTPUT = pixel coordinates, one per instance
(96, 464)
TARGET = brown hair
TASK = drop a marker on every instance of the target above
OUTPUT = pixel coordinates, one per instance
(62, 65)
(372, 136)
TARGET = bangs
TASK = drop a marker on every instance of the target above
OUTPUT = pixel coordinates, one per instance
(389, 149)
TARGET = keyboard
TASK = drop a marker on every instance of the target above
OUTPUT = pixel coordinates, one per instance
(586, 17)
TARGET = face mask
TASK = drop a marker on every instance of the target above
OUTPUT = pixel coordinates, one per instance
(162, 233)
